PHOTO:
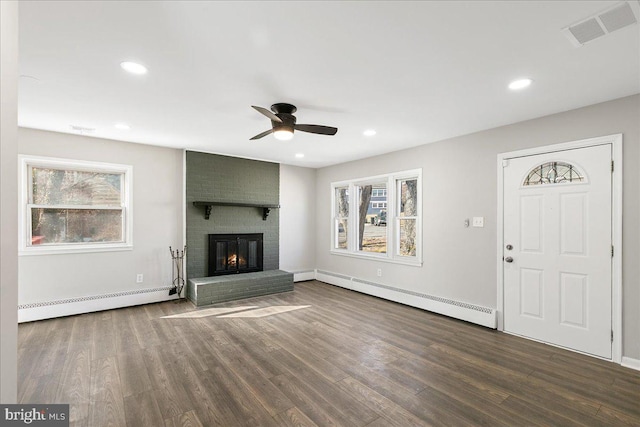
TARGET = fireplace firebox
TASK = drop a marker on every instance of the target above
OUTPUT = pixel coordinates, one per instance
(234, 253)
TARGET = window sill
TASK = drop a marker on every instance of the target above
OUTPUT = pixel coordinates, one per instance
(381, 258)
(60, 250)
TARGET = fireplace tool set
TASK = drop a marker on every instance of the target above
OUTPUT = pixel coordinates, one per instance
(177, 272)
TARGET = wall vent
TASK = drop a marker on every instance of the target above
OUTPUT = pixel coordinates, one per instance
(612, 19)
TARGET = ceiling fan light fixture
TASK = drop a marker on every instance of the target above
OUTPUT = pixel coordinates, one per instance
(283, 134)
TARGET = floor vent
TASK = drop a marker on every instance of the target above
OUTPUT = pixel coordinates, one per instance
(612, 19)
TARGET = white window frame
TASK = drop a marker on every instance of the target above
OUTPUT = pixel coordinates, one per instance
(393, 230)
(24, 218)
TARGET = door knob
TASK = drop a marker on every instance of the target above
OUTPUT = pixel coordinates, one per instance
(508, 259)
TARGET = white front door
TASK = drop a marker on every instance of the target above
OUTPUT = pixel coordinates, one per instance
(558, 248)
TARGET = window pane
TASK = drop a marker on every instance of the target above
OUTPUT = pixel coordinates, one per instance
(75, 225)
(70, 187)
(341, 232)
(342, 202)
(408, 197)
(372, 218)
(408, 237)
(553, 173)
(342, 215)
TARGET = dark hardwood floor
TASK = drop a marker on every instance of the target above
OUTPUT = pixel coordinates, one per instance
(345, 360)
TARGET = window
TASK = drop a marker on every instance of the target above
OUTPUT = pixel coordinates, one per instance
(74, 206)
(553, 173)
(370, 238)
(407, 218)
(341, 215)
(387, 228)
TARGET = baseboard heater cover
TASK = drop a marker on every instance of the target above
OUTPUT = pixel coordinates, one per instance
(473, 313)
(90, 303)
(303, 275)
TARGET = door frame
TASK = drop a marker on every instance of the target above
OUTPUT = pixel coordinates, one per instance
(615, 141)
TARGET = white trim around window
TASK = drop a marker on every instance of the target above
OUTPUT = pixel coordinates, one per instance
(27, 205)
(392, 182)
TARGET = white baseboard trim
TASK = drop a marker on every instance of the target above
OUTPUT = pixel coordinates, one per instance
(88, 304)
(629, 362)
(483, 316)
(302, 276)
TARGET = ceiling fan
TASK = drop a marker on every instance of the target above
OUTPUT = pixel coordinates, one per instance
(283, 123)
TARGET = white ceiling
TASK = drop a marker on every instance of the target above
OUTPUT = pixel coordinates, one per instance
(416, 72)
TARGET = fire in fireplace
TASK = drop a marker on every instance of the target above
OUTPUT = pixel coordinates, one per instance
(234, 253)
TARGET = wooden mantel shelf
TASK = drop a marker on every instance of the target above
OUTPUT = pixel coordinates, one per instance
(266, 208)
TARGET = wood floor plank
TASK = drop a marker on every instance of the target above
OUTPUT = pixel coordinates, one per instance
(170, 395)
(311, 404)
(611, 417)
(346, 360)
(538, 415)
(126, 339)
(106, 414)
(269, 396)
(39, 389)
(293, 417)
(247, 408)
(103, 339)
(142, 410)
(75, 384)
(187, 419)
(395, 414)
(133, 373)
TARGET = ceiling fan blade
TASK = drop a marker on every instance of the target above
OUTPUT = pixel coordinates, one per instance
(322, 130)
(261, 135)
(267, 113)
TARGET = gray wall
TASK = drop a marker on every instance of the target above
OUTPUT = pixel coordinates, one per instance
(211, 177)
(8, 201)
(297, 218)
(460, 181)
(157, 222)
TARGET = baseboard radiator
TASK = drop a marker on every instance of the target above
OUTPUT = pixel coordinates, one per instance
(87, 304)
(479, 315)
(303, 275)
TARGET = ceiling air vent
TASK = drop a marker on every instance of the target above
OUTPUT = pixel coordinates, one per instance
(614, 18)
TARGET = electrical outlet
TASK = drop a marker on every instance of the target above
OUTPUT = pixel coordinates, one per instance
(478, 221)
(379, 272)
(139, 278)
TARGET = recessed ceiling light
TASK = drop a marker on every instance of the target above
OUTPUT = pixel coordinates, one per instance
(299, 156)
(369, 132)
(133, 67)
(122, 126)
(520, 84)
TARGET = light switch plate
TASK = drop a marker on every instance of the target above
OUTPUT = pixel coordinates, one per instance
(478, 221)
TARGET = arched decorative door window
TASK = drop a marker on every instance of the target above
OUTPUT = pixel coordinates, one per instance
(554, 173)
